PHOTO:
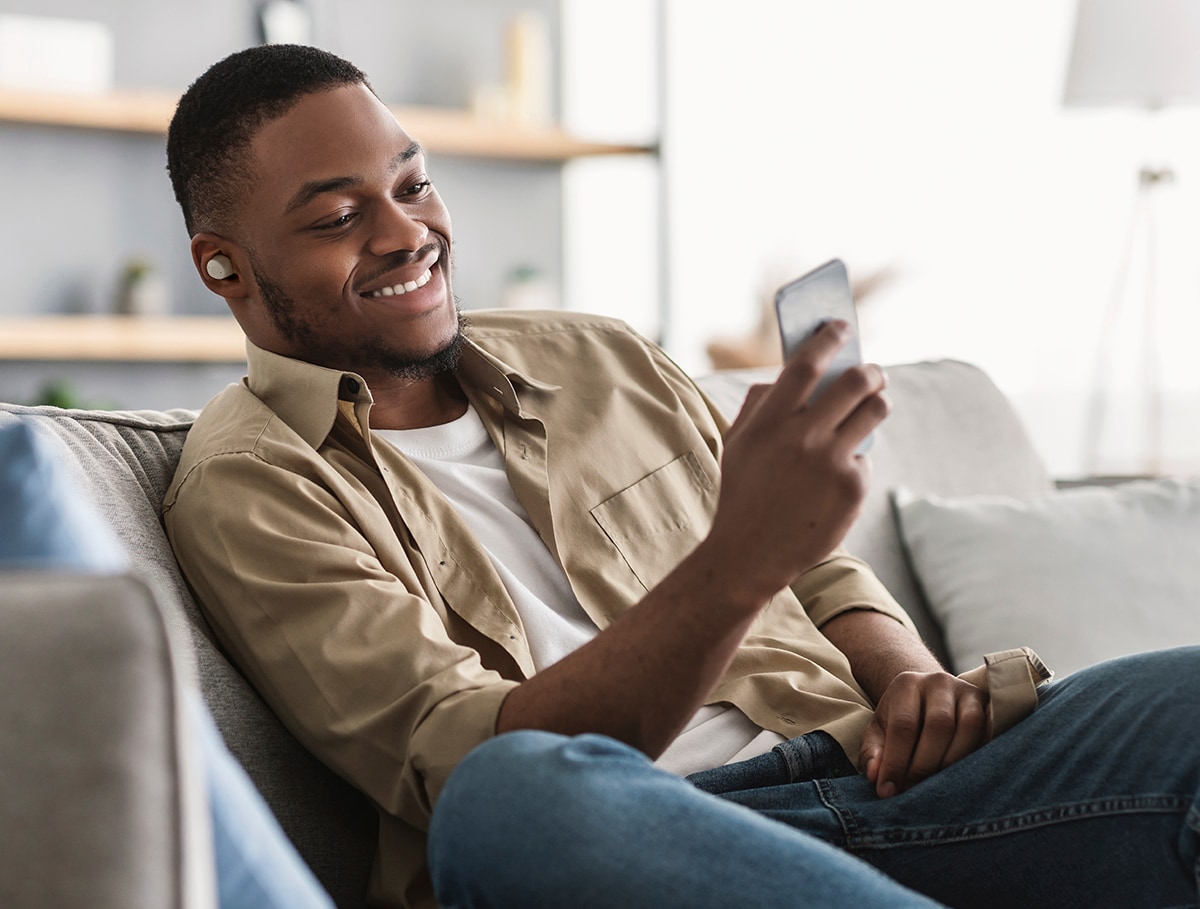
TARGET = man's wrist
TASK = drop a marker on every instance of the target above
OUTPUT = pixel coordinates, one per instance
(879, 648)
(715, 577)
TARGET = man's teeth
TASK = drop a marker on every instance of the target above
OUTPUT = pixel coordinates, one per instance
(398, 289)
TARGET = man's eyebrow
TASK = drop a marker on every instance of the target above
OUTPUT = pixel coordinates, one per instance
(314, 188)
(407, 155)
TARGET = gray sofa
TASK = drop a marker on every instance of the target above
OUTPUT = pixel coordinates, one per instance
(952, 432)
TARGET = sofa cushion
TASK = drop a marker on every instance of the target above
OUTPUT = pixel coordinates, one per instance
(1080, 576)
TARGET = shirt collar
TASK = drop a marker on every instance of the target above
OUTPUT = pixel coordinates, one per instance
(486, 374)
(306, 396)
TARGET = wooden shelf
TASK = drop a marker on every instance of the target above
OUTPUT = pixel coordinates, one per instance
(440, 130)
(131, 339)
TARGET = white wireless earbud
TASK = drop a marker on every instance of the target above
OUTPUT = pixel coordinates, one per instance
(219, 267)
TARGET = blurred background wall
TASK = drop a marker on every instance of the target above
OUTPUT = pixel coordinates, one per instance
(927, 144)
(81, 204)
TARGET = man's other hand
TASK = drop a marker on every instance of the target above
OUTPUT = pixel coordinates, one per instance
(924, 722)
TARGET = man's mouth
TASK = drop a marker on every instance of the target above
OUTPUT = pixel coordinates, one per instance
(397, 290)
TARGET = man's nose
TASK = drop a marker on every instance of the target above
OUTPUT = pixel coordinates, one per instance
(396, 228)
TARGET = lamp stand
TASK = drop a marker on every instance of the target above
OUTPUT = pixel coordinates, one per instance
(1103, 403)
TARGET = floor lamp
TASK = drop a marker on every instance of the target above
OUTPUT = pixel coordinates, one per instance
(1140, 54)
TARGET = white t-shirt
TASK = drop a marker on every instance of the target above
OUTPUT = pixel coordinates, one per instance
(460, 459)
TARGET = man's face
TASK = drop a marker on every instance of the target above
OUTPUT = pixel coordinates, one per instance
(348, 240)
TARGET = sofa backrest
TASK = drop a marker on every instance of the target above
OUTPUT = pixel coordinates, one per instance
(126, 461)
(951, 432)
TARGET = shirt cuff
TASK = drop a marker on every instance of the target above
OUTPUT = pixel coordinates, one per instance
(1012, 679)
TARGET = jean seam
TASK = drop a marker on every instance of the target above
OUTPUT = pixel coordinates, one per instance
(845, 817)
(899, 837)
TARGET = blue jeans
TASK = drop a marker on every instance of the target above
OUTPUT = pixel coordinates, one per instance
(1090, 802)
(257, 867)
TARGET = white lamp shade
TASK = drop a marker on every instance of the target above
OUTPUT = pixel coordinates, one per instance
(1135, 53)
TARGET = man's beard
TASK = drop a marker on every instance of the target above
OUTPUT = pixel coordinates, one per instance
(368, 354)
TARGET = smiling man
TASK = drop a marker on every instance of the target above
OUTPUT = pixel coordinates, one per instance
(341, 252)
(521, 585)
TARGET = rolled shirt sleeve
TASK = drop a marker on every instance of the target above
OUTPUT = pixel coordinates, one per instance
(842, 583)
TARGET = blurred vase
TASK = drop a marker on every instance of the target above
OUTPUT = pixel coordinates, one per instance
(144, 292)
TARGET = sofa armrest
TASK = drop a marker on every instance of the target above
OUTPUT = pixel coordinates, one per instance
(98, 804)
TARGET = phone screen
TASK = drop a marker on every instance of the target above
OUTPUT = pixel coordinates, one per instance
(807, 303)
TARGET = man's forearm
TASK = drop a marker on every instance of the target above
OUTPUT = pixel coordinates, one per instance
(641, 680)
(879, 648)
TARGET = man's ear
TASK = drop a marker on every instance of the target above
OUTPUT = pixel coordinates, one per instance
(222, 266)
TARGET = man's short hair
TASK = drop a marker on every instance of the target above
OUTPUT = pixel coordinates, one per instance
(209, 138)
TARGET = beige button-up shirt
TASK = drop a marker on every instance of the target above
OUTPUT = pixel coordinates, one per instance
(372, 621)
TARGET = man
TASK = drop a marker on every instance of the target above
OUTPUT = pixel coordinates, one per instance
(416, 537)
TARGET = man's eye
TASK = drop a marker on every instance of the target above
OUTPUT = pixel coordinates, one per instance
(341, 221)
(418, 189)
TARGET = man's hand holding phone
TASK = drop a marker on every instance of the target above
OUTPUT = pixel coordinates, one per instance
(792, 479)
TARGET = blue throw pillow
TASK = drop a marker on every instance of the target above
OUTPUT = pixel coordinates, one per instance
(46, 519)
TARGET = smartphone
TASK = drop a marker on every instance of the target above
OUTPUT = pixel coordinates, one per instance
(807, 303)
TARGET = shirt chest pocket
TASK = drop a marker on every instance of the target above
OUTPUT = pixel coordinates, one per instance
(659, 519)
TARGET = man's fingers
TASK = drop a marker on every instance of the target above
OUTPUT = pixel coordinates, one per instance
(865, 418)
(939, 726)
(973, 728)
(808, 364)
(901, 726)
(849, 408)
(855, 403)
(754, 397)
(871, 750)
